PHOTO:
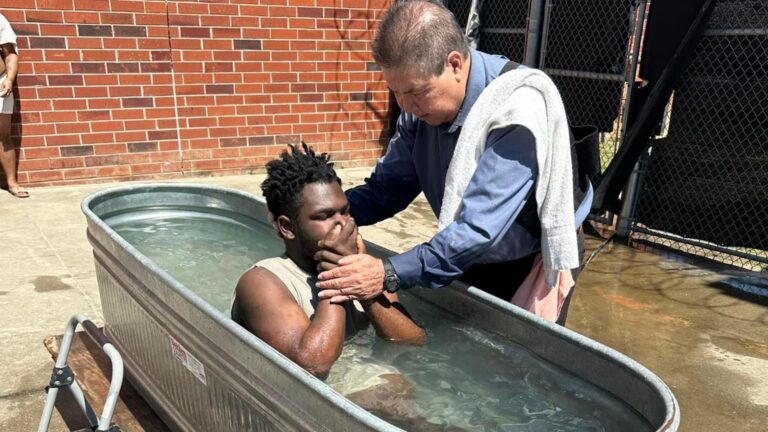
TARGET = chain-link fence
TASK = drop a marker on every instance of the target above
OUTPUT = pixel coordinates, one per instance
(586, 50)
(503, 29)
(704, 188)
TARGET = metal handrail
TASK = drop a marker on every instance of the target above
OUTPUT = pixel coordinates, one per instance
(62, 376)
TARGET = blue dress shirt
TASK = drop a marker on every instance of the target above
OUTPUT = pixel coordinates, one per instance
(417, 160)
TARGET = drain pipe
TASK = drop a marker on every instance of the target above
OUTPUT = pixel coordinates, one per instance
(533, 39)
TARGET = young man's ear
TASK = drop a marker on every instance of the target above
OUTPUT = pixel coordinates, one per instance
(285, 227)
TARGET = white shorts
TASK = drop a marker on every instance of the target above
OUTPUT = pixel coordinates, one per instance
(7, 104)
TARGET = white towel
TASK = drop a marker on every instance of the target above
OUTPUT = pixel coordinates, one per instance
(529, 98)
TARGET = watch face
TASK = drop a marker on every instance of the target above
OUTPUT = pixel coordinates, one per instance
(391, 283)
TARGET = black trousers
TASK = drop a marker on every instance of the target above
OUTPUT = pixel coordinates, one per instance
(504, 278)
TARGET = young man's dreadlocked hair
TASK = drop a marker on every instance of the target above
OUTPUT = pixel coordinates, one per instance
(287, 176)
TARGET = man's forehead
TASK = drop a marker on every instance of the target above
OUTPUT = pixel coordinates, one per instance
(403, 79)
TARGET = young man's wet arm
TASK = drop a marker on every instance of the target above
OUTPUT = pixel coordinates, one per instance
(392, 322)
(271, 313)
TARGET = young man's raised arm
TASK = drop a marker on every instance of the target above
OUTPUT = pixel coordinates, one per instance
(270, 312)
(388, 316)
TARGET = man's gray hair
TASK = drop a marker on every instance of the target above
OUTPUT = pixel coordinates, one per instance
(419, 35)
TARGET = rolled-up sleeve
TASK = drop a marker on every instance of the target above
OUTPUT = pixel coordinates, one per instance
(393, 184)
(493, 199)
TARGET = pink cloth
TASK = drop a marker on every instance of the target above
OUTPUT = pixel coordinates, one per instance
(536, 297)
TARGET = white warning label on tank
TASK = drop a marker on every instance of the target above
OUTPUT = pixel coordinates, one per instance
(188, 360)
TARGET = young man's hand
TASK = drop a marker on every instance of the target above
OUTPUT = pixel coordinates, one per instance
(338, 243)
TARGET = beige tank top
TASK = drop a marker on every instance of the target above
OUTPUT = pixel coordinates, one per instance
(301, 285)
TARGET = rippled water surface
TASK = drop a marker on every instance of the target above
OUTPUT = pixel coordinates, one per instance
(464, 378)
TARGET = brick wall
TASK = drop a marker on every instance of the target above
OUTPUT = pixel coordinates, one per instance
(146, 89)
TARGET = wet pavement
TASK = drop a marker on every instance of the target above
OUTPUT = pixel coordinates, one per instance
(676, 318)
(707, 344)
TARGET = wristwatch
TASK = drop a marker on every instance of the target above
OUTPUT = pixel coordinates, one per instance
(391, 281)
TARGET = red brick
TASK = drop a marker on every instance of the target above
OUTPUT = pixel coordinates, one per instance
(39, 129)
(73, 162)
(39, 152)
(71, 128)
(116, 18)
(127, 6)
(215, 21)
(123, 95)
(81, 17)
(51, 68)
(111, 103)
(43, 176)
(92, 5)
(58, 30)
(206, 164)
(58, 116)
(97, 138)
(134, 158)
(34, 165)
(107, 126)
(101, 160)
(113, 171)
(130, 136)
(228, 33)
(80, 173)
(44, 16)
(110, 149)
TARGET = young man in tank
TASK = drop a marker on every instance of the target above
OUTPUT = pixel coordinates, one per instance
(277, 299)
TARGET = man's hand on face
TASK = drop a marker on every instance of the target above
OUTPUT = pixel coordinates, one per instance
(356, 277)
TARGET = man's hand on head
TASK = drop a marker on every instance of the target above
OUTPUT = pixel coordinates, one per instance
(356, 277)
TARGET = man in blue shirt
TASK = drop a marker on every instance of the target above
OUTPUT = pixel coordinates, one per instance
(436, 78)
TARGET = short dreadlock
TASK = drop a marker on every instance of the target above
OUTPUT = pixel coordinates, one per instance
(287, 176)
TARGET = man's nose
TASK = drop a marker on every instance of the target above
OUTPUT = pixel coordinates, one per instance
(406, 102)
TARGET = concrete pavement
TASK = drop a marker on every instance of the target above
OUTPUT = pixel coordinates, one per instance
(709, 346)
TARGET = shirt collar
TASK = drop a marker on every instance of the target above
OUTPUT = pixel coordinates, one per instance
(475, 86)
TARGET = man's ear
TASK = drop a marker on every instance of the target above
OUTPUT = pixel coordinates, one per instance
(456, 62)
(285, 227)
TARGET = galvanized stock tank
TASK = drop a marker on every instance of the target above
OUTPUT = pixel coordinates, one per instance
(202, 372)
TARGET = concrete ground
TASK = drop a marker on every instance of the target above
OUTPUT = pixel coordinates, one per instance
(674, 317)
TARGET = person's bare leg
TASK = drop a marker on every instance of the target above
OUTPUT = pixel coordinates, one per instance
(8, 153)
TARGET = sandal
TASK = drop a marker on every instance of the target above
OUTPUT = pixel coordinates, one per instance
(18, 192)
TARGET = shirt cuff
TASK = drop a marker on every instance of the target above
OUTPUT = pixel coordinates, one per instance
(407, 267)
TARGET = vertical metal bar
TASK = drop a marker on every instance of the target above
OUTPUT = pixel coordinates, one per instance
(115, 383)
(629, 196)
(50, 403)
(534, 36)
(634, 55)
(629, 199)
(546, 22)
